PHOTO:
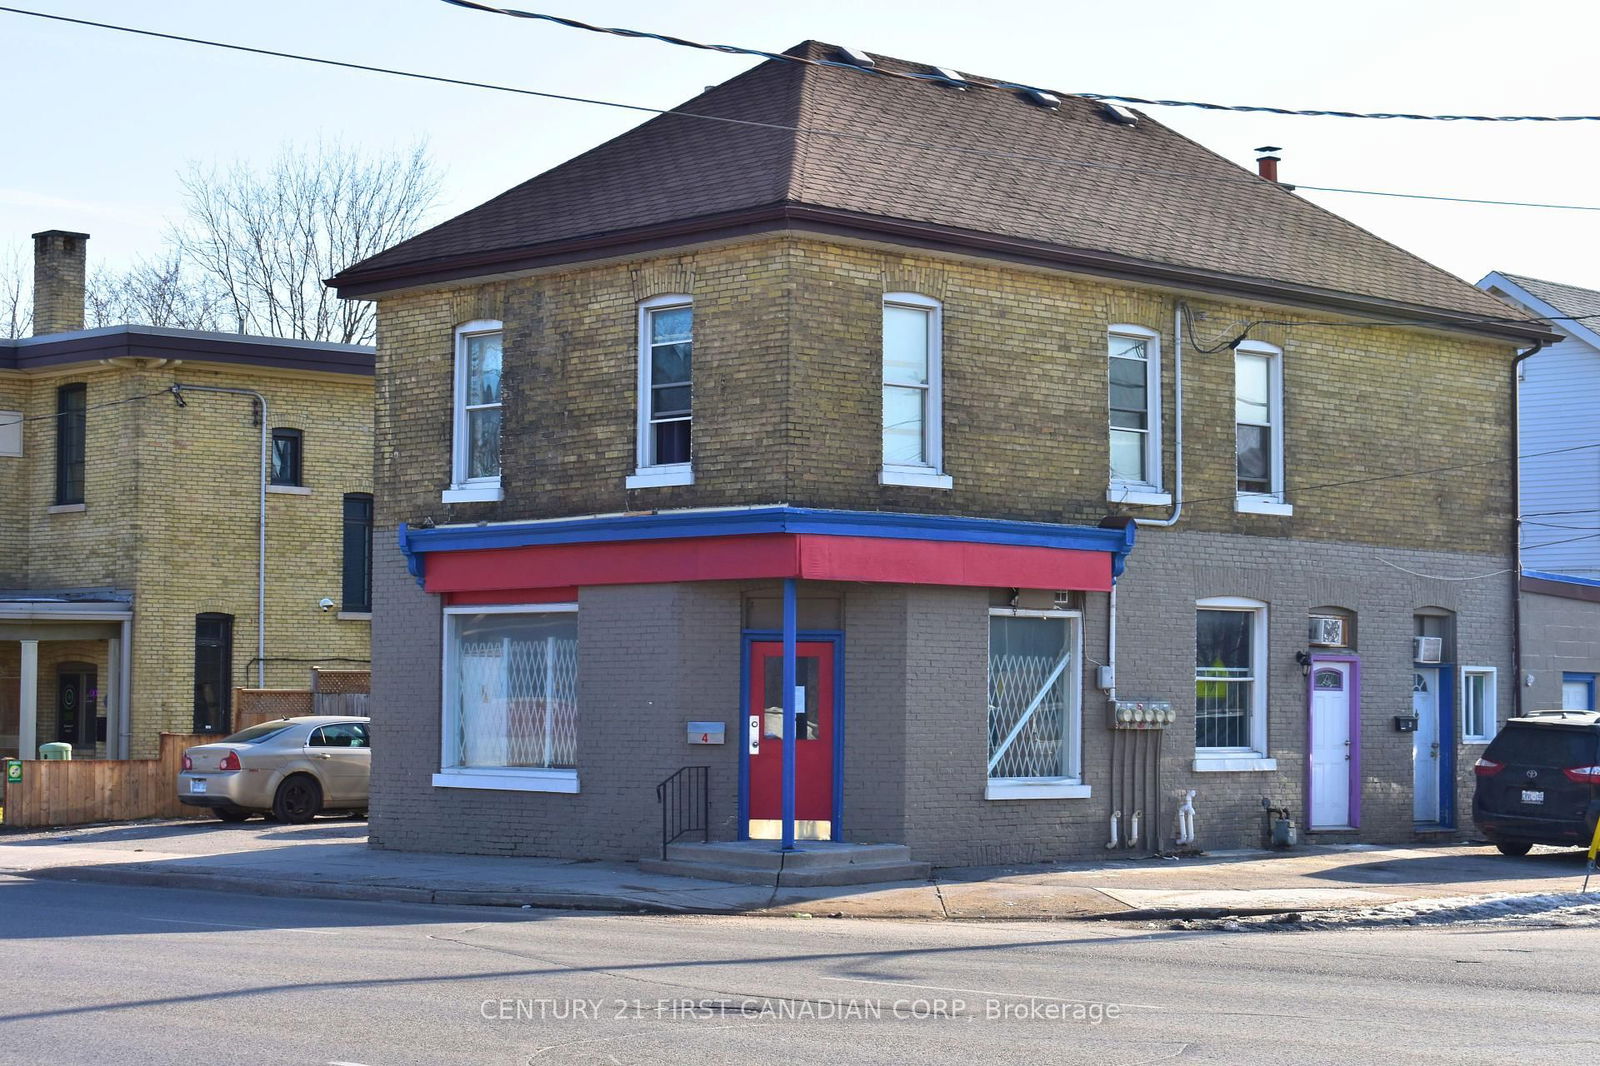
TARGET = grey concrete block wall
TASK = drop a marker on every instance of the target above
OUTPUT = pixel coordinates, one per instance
(1558, 636)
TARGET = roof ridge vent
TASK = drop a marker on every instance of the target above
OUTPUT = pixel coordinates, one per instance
(857, 58)
(1043, 99)
(1122, 116)
(951, 78)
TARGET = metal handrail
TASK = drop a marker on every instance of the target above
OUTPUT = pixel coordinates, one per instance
(682, 796)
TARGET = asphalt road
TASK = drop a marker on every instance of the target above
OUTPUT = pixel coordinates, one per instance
(111, 975)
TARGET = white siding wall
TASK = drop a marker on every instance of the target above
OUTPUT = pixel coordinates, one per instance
(1560, 408)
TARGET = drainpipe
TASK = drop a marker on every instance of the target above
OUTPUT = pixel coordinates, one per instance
(261, 527)
(1516, 527)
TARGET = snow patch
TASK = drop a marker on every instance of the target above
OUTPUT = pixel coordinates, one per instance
(1564, 909)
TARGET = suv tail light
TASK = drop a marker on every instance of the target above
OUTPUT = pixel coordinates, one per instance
(1584, 775)
(188, 763)
(1488, 767)
(229, 761)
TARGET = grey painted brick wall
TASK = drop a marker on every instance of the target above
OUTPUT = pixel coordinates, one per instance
(1558, 635)
(655, 657)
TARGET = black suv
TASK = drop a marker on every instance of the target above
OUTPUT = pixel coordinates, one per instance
(1539, 782)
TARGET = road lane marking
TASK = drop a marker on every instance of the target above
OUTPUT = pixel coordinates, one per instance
(983, 992)
(232, 925)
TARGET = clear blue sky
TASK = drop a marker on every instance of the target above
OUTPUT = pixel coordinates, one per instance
(97, 123)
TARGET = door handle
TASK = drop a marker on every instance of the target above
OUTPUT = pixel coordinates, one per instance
(322, 755)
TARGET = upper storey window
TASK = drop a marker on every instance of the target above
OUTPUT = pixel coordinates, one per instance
(71, 407)
(1134, 372)
(666, 393)
(1258, 428)
(912, 392)
(475, 458)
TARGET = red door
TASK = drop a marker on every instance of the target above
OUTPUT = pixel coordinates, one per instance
(813, 757)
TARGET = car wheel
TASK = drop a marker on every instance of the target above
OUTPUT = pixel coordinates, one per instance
(1514, 847)
(299, 800)
(231, 814)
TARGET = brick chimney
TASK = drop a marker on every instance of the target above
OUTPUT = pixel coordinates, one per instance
(58, 281)
(1267, 164)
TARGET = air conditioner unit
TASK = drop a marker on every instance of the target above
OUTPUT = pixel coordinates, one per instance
(1427, 649)
(1327, 631)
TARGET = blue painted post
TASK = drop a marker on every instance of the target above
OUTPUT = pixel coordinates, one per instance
(790, 625)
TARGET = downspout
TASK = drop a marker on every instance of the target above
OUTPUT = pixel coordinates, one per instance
(261, 526)
(1516, 527)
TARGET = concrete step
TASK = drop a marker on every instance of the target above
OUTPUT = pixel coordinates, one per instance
(847, 874)
(808, 854)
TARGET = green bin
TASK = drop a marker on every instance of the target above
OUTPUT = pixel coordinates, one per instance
(56, 750)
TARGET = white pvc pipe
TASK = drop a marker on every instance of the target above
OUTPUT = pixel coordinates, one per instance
(1114, 834)
(1133, 830)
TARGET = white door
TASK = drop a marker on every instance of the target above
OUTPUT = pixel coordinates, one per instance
(1330, 745)
(1425, 745)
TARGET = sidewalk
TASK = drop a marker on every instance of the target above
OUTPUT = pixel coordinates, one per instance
(330, 859)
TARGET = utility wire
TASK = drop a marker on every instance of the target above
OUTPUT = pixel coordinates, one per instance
(89, 407)
(1007, 85)
(951, 149)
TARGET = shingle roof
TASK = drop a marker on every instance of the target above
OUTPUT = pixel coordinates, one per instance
(996, 165)
(1568, 299)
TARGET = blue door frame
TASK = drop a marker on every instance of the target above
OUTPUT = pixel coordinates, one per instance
(830, 636)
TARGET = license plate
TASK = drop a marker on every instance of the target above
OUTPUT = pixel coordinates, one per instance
(1532, 795)
(200, 786)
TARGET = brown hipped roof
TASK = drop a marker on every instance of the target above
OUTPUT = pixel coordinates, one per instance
(914, 161)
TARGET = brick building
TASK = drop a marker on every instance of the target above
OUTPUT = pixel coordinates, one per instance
(132, 575)
(974, 495)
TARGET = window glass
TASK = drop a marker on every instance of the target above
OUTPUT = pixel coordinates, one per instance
(1544, 746)
(1577, 693)
(1130, 410)
(806, 670)
(351, 735)
(905, 345)
(1477, 704)
(1224, 678)
(481, 358)
(909, 386)
(670, 371)
(357, 561)
(71, 408)
(1253, 418)
(286, 457)
(515, 689)
(1030, 697)
(483, 368)
(904, 419)
(257, 733)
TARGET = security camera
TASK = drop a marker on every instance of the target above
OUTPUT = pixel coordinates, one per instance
(325, 603)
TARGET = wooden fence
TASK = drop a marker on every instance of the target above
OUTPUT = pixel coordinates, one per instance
(80, 791)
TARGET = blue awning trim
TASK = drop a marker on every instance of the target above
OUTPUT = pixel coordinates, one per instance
(1565, 578)
(748, 521)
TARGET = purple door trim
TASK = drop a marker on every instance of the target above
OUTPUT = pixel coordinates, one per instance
(1354, 662)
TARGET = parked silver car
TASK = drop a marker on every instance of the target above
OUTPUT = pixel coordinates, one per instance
(294, 768)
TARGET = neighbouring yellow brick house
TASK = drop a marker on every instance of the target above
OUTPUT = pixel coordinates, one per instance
(180, 513)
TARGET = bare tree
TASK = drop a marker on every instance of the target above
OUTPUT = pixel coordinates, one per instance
(16, 294)
(155, 292)
(266, 241)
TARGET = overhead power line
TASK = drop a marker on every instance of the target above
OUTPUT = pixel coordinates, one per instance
(849, 135)
(1006, 85)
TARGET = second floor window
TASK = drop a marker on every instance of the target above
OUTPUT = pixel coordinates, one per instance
(1258, 426)
(912, 400)
(476, 459)
(286, 457)
(1135, 407)
(666, 382)
(71, 412)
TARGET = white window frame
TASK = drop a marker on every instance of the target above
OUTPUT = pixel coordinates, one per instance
(1069, 785)
(930, 474)
(464, 489)
(1253, 757)
(648, 473)
(507, 779)
(1149, 491)
(1491, 710)
(1273, 502)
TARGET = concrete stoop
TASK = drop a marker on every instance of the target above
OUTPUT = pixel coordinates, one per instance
(812, 863)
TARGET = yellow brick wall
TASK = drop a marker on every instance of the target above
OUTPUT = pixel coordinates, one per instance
(171, 504)
(787, 398)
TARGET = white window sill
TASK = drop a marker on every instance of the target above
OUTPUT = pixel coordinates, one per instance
(290, 490)
(923, 477)
(1262, 505)
(1023, 789)
(66, 508)
(1466, 741)
(1219, 764)
(487, 493)
(354, 616)
(1140, 496)
(652, 477)
(509, 780)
